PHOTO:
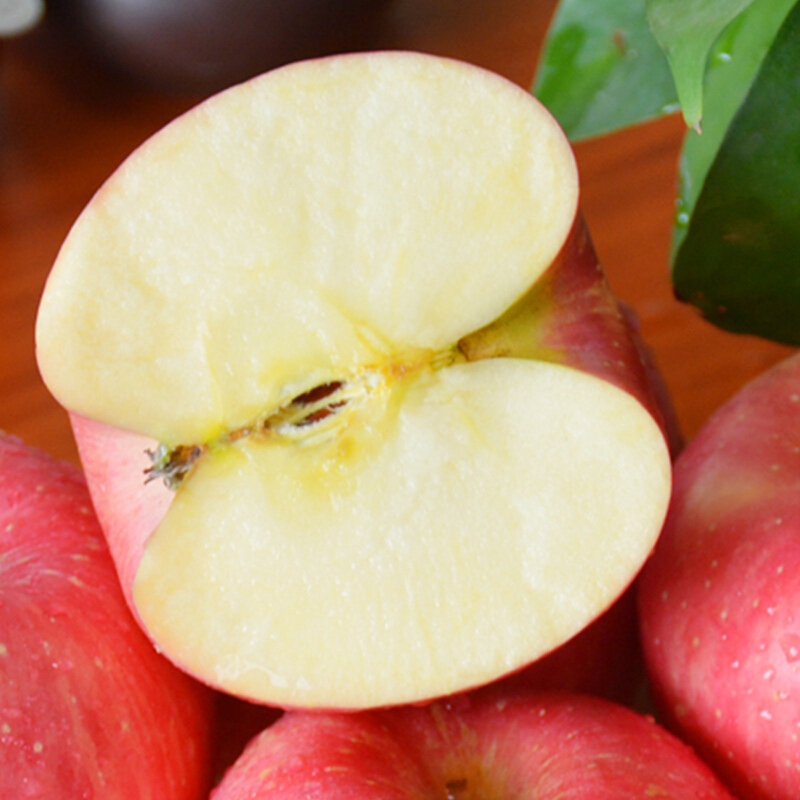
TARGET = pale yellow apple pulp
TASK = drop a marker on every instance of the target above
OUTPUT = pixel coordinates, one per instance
(346, 222)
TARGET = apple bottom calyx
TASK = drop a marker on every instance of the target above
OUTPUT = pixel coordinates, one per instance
(172, 465)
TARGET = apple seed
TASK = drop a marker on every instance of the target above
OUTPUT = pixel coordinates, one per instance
(300, 420)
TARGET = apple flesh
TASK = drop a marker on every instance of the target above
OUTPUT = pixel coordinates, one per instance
(404, 442)
(719, 600)
(551, 746)
(86, 704)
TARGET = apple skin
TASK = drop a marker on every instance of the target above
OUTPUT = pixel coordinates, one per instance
(720, 598)
(236, 722)
(494, 743)
(571, 317)
(85, 701)
(604, 659)
(202, 46)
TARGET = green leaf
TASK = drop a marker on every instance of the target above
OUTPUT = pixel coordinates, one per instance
(739, 261)
(602, 69)
(733, 64)
(687, 30)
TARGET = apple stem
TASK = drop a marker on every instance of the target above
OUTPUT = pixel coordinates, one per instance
(455, 788)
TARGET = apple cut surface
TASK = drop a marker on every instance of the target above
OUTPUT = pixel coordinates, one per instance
(402, 441)
(334, 214)
(412, 550)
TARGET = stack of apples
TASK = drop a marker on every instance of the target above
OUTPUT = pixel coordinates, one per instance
(371, 440)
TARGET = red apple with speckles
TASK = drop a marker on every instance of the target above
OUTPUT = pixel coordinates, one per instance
(720, 599)
(552, 746)
(88, 709)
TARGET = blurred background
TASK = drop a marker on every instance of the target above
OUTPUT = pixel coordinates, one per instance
(83, 82)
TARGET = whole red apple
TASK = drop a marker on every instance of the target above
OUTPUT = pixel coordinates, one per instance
(551, 746)
(88, 709)
(720, 598)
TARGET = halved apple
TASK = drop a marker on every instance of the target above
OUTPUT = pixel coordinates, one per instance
(362, 419)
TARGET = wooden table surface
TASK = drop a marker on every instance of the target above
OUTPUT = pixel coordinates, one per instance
(65, 125)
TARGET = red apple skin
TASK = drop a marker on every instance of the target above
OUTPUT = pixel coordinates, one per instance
(236, 722)
(720, 598)
(87, 706)
(604, 659)
(491, 744)
(128, 506)
(573, 317)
